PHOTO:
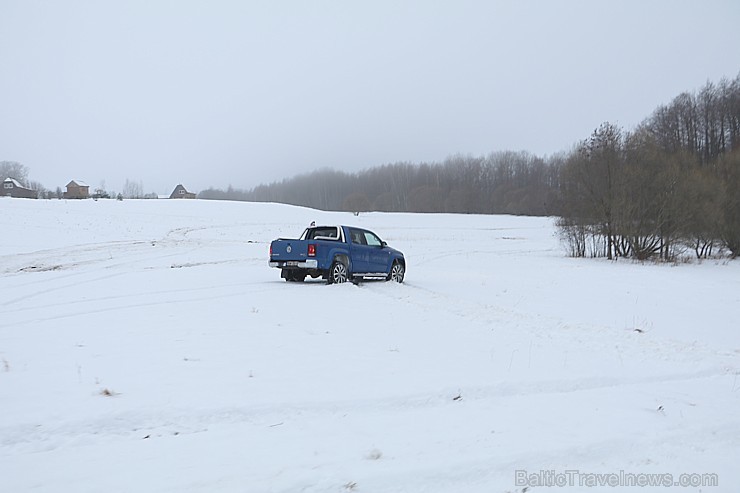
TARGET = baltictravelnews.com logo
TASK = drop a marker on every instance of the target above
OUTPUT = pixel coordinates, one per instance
(574, 477)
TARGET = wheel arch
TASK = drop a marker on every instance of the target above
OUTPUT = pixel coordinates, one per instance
(343, 258)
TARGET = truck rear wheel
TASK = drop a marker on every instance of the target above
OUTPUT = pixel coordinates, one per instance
(338, 273)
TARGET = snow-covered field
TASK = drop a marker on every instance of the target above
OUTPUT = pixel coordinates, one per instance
(146, 346)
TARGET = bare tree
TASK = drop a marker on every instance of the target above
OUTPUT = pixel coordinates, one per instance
(592, 179)
(15, 170)
(41, 191)
(133, 190)
(729, 224)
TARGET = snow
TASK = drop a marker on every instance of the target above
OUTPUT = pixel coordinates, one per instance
(146, 346)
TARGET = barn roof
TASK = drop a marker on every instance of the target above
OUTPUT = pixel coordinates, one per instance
(77, 183)
(14, 182)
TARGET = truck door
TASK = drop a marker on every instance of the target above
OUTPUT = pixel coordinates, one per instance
(378, 255)
(360, 252)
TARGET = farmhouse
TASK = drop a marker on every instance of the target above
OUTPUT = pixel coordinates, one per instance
(181, 193)
(12, 188)
(77, 190)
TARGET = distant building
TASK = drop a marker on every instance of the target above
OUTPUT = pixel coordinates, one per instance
(181, 193)
(12, 188)
(77, 190)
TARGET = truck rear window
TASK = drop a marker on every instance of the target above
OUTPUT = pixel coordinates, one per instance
(322, 233)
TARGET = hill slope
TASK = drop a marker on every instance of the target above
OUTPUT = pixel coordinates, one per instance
(146, 346)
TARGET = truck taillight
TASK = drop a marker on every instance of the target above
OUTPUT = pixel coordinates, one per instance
(271, 250)
(311, 250)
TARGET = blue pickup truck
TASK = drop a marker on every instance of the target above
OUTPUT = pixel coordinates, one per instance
(337, 254)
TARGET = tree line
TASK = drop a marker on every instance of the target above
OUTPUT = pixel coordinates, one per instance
(666, 186)
(671, 184)
(500, 183)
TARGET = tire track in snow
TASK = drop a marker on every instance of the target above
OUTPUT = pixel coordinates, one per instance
(146, 295)
(129, 306)
(499, 316)
(182, 421)
(130, 258)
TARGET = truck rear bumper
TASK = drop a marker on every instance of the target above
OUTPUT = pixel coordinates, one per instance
(306, 264)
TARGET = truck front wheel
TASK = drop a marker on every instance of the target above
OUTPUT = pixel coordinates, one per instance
(338, 273)
(398, 270)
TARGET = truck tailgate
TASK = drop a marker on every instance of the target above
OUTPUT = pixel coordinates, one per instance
(285, 250)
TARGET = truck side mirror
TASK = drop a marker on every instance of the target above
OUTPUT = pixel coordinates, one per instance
(383, 244)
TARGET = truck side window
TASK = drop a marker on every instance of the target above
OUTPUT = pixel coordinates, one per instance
(371, 239)
(357, 237)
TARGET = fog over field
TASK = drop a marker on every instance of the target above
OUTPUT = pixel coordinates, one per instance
(233, 92)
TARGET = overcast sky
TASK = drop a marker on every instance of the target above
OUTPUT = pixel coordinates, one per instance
(217, 92)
